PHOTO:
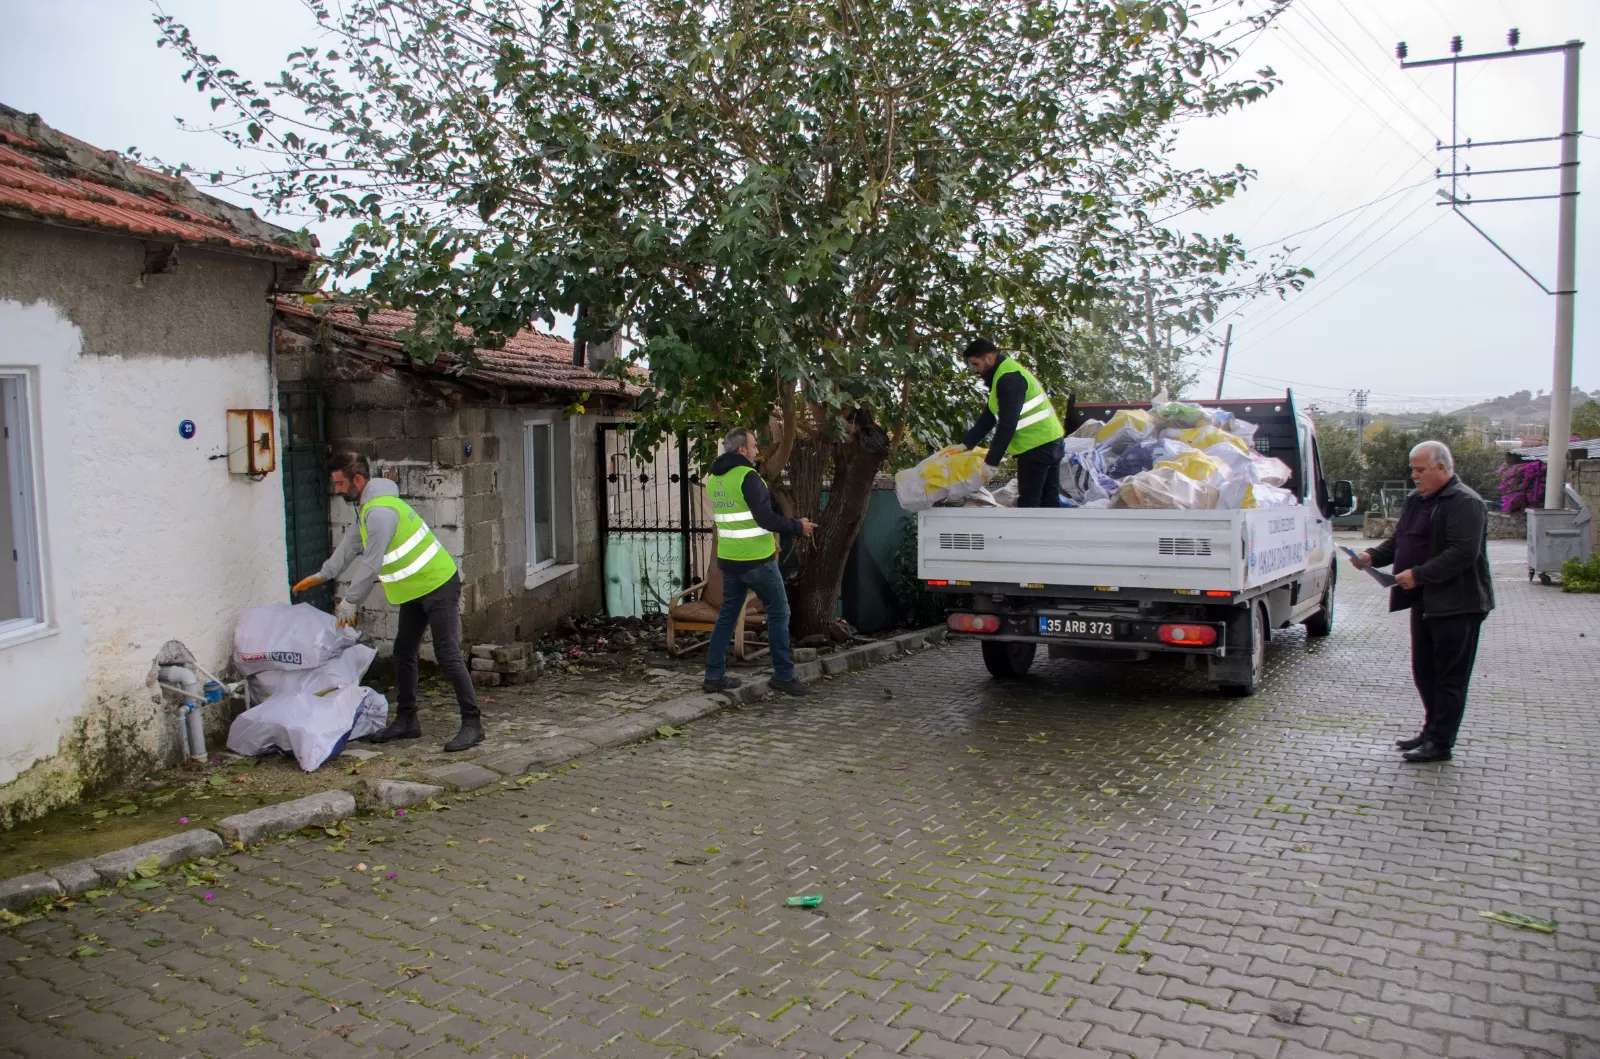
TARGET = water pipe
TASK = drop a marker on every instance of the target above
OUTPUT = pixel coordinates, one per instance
(193, 721)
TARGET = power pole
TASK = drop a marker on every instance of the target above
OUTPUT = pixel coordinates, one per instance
(1223, 374)
(1565, 291)
(1361, 417)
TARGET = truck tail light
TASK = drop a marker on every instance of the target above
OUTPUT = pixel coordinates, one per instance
(973, 622)
(1188, 635)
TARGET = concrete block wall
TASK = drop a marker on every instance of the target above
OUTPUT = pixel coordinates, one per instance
(1586, 481)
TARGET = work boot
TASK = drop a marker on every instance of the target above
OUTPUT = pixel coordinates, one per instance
(792, 686)
(404, 726)
(1412, 743)
(470, 735)
(725, 684)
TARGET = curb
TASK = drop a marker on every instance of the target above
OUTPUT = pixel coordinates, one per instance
(329, 807)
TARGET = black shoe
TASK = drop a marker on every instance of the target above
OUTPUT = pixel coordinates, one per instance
(1412, 743)
(1428, 751)
(725, 684)
(790, 687)
(470, 735)
(404, 726)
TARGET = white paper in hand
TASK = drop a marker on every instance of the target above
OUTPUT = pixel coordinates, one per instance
(1386, 580)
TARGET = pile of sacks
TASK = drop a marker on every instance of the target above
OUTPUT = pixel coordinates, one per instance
(1174, 455)
(305, 676)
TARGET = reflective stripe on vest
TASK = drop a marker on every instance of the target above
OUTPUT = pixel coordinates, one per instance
(417, 565)
(739, 538)
(1037, 423)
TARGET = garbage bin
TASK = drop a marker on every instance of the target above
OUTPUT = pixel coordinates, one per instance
(866, 595)
(1556, 535)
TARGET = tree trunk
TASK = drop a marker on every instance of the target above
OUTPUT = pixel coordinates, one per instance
(855, 461)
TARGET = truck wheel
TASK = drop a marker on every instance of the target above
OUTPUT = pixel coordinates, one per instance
(1258, 658)
(1321, 623)
(1008, 661)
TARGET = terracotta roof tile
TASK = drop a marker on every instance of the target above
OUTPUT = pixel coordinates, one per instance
(48, 176)
(532, 360)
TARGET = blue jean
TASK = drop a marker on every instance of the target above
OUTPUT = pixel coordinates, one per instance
(768, 585)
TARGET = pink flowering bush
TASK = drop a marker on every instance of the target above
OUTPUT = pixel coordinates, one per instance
(1521, 486)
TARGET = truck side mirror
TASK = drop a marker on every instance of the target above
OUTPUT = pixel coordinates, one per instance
(1344, 498)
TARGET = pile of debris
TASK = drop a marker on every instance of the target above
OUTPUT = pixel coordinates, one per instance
(495, 664)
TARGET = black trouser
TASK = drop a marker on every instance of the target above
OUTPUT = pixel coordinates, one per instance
(1039, 475)
(440, 611)
(1442, 653)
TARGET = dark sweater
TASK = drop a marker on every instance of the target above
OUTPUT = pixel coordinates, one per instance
(1009, 397)
(759, 499)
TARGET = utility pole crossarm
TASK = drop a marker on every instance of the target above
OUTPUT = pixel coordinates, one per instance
(1549, 49)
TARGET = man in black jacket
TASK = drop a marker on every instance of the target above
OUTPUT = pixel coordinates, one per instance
(1024, 422)
(747, 556)
(1440, 555)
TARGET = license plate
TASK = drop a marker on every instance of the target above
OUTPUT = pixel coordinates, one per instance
(1085, 627)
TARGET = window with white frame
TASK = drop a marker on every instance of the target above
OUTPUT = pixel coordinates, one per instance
(21, 595)
(547, 454)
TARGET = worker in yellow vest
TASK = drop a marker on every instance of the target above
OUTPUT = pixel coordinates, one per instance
(747, 556)
(391, 545)
(1024, 422)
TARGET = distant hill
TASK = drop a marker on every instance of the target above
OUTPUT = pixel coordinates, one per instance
(1521, 414)
(1518, 414)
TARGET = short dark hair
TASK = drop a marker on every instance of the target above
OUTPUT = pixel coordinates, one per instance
(349, 464)
(979, 347)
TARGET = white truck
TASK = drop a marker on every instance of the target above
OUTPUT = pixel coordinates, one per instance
(1106, 583)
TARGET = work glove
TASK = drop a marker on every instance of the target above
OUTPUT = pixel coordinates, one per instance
(989, 471)
(347, 613)
(306, 584)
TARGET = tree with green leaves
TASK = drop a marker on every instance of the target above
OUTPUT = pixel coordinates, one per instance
(1388, 455)
(1586, 421)
(795, 213)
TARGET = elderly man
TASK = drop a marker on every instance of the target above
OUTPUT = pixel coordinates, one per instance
(747, 555)
(1440, 555)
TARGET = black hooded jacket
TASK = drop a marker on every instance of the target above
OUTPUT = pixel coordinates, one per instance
(759, 499)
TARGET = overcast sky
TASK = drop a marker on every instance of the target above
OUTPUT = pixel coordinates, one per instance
(1408, 302)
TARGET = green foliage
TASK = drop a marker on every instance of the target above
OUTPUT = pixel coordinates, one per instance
(1581, 576)
(1586, 420)
(766, 195)
(1387, 453)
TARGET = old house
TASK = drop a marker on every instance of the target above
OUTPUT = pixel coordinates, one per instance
(135, 328)
(502, 458)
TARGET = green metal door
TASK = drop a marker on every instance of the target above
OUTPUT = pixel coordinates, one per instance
(305, 491)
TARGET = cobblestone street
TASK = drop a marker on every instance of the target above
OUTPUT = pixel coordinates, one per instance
(1100, 860)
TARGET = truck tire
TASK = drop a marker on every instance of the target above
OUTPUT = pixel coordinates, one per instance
(1251, 683)
(1321, 623)
(1008, 661)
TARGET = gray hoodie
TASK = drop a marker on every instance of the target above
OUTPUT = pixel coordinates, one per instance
(364, 564)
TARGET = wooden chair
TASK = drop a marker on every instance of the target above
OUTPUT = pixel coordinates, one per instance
(694, 612)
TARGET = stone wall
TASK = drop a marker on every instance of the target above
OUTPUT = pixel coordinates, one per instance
(1586, 480)
(463, 466)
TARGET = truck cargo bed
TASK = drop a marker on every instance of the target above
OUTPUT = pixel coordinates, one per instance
(1195, 551)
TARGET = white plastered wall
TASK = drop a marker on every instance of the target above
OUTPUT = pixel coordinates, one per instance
(144, 538)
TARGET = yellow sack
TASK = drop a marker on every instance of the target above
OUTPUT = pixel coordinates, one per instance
(1205, 437)
(952, 473)
(1126, 427)
(1199, 466)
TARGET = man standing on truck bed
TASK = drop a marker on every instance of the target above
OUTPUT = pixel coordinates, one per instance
(1441, 573)
(1024, 422)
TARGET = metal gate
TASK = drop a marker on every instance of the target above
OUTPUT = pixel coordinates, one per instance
(305, 490)
(655, 522)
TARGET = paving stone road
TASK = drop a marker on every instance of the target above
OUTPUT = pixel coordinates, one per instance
(1098, 861)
